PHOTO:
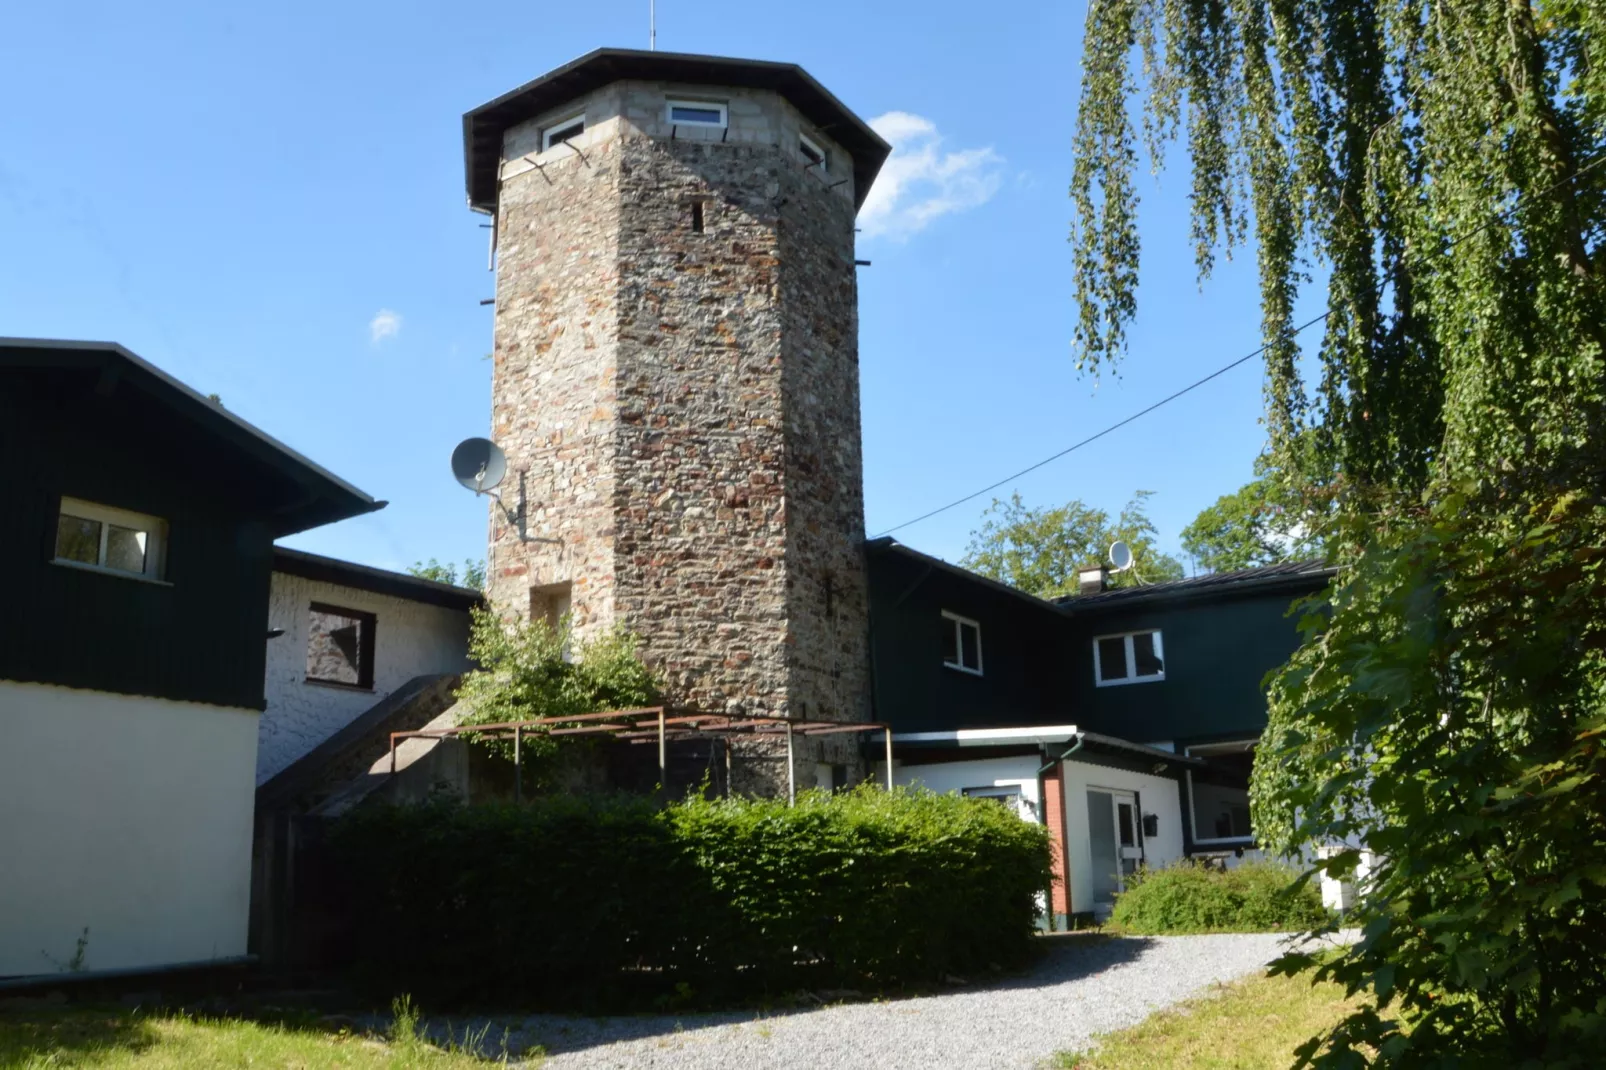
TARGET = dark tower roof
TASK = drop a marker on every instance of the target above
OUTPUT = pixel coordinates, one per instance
(483, 127)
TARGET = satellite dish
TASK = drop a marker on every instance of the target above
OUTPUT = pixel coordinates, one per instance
(479, 464)
(1120, 556)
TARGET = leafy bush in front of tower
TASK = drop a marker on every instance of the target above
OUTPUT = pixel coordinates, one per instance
(1189, 897)
(529, 669)
(613, 901)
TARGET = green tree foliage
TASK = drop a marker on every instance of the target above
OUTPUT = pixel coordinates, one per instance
(473, 574)
(1444, 163)
(1039, 551)
(529, 670)
(1238, 531)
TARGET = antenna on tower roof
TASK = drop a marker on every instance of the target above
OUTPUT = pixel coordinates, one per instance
(652, 25)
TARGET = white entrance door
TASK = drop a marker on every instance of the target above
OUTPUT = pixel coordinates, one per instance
(1112, 818)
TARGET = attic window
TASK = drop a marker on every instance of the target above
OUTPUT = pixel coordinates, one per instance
(961, 643)
(340, 647)
(697, 113)
(105, 539)
(562, 131)
(812, 152)
(1133, 658)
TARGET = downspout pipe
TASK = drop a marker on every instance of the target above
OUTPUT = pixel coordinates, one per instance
(1080, 739)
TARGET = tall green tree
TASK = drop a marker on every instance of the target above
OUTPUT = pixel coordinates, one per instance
(1272, 518)
(473, 574)
(1443, 164)
(1041, 550)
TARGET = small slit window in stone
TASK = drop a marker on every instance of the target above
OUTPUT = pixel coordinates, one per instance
(340, 646)
(816, 156)
(562, 131)
(697, 113)
(697, 217)
(961, 643)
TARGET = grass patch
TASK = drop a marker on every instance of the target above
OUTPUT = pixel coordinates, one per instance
(122, 1039)
(1247, 1025)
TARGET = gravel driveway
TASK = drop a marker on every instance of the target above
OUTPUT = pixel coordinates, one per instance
(1085, 985)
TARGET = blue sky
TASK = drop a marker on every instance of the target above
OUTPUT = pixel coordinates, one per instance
(266, 200)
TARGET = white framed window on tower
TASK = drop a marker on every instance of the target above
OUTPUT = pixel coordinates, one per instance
(106, 539)
(562, 130)
(1128, 658)
(698, 113)
(961, 643)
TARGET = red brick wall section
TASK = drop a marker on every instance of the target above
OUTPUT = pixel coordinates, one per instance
(1054, 814)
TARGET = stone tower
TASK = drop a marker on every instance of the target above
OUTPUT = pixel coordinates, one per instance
(676, 369)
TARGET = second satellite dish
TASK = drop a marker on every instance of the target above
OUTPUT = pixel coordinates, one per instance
(1120, 556)
(479, 464)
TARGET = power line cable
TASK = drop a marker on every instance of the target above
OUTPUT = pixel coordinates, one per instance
(1292, 333)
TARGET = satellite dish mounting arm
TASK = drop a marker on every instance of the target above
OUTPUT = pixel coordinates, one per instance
(518, 520)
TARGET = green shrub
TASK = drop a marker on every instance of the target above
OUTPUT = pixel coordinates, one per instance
(614, 899)
(1188, 897)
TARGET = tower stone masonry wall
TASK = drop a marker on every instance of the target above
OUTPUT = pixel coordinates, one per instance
(676, 373)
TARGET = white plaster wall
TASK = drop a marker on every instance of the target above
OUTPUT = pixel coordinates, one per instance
(129, 816)
(954, 777)
(1156, 795)
(410, 639)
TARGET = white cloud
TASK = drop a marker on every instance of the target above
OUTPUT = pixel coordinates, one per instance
(920, 182)
(385, 324)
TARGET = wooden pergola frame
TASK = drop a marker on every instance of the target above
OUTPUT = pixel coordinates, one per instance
(655, 723)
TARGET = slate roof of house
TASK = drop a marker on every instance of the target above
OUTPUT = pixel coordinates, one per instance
(306, 494)
(484, 126)
(1287, 574)
(377, 580)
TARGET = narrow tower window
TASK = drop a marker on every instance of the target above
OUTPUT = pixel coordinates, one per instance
(696, 113)
(562, 131)
(813, 153)
(697, 217)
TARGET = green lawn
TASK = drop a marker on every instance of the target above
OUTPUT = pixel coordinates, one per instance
(1248, 1025)
(120, 1039)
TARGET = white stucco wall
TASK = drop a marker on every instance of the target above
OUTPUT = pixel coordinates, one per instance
(128, 816)
(1156, 795)
(954, 777)
(410, 639)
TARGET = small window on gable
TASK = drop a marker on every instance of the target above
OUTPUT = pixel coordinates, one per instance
(813, 153)
(697, 113)
(562, 131)
(110, 540)
(340, 647)
(1132, 658)
(961, 643)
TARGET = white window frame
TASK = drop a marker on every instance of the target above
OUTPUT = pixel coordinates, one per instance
(1227, 746)
(806, 142)
(105, 515)
(957, 622)
(700, 105)
(1131, 659)
(562, 124)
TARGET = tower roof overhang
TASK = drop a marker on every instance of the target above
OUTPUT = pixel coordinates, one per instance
(484, 126)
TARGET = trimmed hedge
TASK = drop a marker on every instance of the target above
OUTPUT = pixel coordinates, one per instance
(1187, 897)
(577, 898)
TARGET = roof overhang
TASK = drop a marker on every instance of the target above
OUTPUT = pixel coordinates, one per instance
(320, 496)
(484, 126)
(375, 580)
(886, 544)
(989, 737)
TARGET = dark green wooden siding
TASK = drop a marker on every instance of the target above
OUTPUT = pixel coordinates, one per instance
(1038, 661)
(1217, 654)
(200, 639)
(1021, 646)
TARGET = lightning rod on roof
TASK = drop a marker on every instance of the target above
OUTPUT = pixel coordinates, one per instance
(652, 25)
